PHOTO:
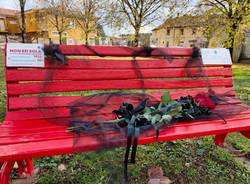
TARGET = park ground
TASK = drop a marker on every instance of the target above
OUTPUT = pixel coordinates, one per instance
(184, 161)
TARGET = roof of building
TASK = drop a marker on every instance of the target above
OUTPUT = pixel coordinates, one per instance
(192, 21)
(4, 11)
(132, 34)
(183, 21)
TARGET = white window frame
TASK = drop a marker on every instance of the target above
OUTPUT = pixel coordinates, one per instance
(55, 33)
(72, 26)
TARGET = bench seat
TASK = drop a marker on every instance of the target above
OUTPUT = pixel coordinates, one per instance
(37, 138)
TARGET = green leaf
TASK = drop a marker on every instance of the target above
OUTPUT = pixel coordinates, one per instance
(175, 109)
(159, 106)
(147, 116)
(166, 98)
(152, 108)
(147, 110)
(166, 118)
(155, 118)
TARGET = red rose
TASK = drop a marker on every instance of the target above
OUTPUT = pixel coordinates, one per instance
(204, 100)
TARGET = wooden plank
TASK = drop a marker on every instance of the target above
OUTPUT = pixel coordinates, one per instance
(19, 127)
(223, 91)
(65, 101)
(35, 149)
(37, 114)
(40, 75)
(90, 111)
(125, 63)
(47, 87)
(52, 132)
(123, 51)
(31, 127)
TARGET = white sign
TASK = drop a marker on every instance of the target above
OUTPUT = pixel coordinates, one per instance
(25, 55)
(216, 56)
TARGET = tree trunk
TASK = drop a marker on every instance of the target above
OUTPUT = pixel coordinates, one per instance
(231, 36)
(136, 38)
(230, 39)
(86, 39)
(6, 38)
(60, 37)
(23, 26)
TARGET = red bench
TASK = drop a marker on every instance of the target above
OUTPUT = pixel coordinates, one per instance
(33, 129)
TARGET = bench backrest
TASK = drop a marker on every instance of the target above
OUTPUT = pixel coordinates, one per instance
(112, 68)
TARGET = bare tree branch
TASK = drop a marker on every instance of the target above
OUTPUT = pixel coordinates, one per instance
(138, 13)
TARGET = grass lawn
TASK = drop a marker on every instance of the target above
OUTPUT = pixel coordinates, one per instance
(183, 161)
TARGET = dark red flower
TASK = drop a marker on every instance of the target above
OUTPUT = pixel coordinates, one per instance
(204, 100)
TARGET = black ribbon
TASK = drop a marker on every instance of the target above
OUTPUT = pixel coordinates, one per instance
(132, 138)
(53, 51)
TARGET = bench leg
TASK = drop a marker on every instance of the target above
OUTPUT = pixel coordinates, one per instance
(25, 167)
(246, 134)
(219, 139)
(6, 171)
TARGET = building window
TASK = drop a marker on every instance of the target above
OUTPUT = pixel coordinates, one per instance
(167, 44)
(2, 25)
(193, 31)
(168, 31)
(72, 24)
(65, 34)
(181, 43)
(192, 43)
(55, 33)
(91, 41)
(70, 41)
(182, 31)
(64, 40)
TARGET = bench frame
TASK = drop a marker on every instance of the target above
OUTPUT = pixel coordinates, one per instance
(26, 167)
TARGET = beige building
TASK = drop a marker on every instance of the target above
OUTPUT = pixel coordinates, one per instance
(9, 29)
(179, 32)
(8, 22)
(40, 27)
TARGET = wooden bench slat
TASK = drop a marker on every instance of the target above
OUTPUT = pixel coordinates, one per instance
(52, 133)
(89, 111)
(47, 87)
(43, 126)
(41, 75)
(123, 51)
(106, 63)
(64, 101)
(35, 149)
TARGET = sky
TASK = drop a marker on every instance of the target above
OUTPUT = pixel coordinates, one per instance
(13, 4)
